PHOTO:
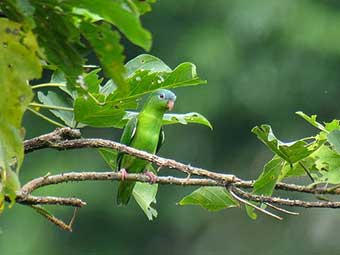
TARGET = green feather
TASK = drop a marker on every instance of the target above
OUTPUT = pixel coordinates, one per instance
(143, 132)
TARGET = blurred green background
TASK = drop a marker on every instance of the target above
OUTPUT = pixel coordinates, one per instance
(263, 60)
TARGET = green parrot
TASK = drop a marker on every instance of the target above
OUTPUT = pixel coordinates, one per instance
(143, 132)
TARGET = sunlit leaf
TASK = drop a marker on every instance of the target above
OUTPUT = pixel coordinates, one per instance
(311, 120)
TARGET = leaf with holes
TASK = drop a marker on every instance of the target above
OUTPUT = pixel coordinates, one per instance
(143, 82)
(311, 120)
(171, 118)
(327, 162)
(145, 62)
(88, 112)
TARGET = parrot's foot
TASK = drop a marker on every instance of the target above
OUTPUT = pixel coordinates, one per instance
(152, 176)
(123, 174)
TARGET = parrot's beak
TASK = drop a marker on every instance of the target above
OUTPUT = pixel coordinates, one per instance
(170, 104)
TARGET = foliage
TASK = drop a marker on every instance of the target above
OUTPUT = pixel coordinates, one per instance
(30, 44)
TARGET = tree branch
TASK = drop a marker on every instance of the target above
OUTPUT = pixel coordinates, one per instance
(68, 139)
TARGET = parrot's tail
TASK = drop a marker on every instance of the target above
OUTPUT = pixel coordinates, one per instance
(124, 192)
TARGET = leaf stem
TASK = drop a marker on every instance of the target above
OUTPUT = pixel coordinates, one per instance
(252, 205)
(307, 171)
(52, 107)
(46, 118)
(44, 85)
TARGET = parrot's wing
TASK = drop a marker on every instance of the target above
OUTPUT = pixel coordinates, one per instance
(160, 140)
(127, 136)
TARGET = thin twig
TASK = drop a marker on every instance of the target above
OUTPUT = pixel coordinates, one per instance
(52, 107)
(230, 189)
(281, 209)
(283, 201)
(44, 85)
(50, 217)
(45, 118)
(307, 171)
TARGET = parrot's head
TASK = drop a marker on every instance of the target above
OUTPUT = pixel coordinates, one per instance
(163, 99)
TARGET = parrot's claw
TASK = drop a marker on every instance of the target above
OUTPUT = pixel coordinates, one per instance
(123, 174)
(152, 177)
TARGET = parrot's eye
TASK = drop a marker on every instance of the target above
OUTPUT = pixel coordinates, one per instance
(162, 96)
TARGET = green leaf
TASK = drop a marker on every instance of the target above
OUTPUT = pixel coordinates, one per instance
(191, 117)
(334, 139)
(54, 99)
(11, 185)
(171, 118)
(145, 195)
(265, 183)
(11, 148)
(142, 6)
(210, 198)
(297, 169)
(110, 157)
(18, 63)
(291, 152)
(145, 81)
(311, 120)
(87, 111)
(108, 88)
(106, 44)
(18, 10)
(333, 125)
(251, 212)
(145, 62)
(117, 14)
(327, 162)
(60, 43)
(92, 81)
